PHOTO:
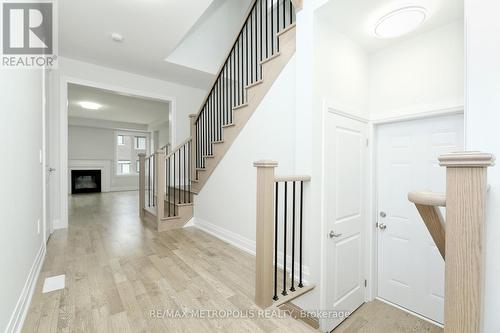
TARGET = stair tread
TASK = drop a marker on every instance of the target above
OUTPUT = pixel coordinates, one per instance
(228, 125)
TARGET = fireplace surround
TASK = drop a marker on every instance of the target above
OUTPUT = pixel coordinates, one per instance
(85, 181)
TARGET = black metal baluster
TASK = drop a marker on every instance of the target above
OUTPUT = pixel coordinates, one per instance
(292, 289)
(154, 179)
(173, 201)
(261, 39)
(277, 25)
(184, 171)
(272, 27)
(291, 11)
(267, 32)
(179, 180)
(276, 197)
(246, 54)
(300, 233)
(284, 293)
(190, 151)
(284, 14)
(167, 166)
(149, 181)
(256, 48)
(251, 48)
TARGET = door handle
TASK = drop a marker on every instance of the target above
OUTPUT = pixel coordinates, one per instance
(52, 169)
(382, 226)
(332, 234)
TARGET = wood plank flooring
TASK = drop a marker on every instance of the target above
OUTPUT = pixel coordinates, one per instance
(118, 271)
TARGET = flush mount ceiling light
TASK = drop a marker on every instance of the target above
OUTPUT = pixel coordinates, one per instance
(90, 105)
(400, 22)
(117, 37)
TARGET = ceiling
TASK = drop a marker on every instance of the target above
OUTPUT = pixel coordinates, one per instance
(115, 107)
(151, 29)
(212, 35)
(356, 18)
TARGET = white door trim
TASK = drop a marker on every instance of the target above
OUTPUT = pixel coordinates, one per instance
(63, 130)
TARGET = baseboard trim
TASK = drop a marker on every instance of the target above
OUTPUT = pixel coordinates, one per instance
(299, 314)
(410, 312)
(230, 237)
(19, 315)
(246, 245)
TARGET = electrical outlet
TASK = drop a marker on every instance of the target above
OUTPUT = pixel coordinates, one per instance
(38, 225)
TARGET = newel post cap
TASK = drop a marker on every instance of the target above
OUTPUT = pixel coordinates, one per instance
(193, 115)
(265, 164)
(467, 159)
(160, 152)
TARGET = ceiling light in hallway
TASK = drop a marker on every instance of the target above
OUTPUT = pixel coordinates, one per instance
(90, 105)
(400, 22)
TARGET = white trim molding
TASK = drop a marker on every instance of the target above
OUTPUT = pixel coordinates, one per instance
(20, 311)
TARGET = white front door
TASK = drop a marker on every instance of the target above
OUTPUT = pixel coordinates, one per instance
(345, 179)
(410, 268)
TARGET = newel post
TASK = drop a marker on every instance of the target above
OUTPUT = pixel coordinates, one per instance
(142, 184)
(192, 118)
(466, 187)
(160, 185)
(264, 233)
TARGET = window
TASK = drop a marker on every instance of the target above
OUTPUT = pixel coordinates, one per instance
(128, 146)
(140, 143)
(123, 167)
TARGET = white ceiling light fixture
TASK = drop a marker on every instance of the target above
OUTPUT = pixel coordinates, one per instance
(400, 22)
(117, 37)
(90, 105)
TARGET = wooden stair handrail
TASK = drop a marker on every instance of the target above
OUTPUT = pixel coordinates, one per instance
(427, 198)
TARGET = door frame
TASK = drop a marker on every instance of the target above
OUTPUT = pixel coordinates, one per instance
(373, 202)
(62, 124)
(343, 112)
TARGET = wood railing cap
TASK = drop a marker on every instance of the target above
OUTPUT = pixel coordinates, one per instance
(427, 198)
(160, 151)
(193, 115)
(141, 154)
(265, 164)
(467, 159)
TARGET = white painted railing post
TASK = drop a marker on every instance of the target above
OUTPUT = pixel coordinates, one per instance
(192, 118)
(160, 185)
(466, 188)
(142, 184)
(264, 233)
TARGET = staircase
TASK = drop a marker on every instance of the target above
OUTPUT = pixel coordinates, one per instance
(262, 48)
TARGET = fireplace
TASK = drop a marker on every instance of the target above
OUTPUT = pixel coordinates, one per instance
(85, 181)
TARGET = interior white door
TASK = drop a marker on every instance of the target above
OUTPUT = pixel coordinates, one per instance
(410, 268)
(345, 179)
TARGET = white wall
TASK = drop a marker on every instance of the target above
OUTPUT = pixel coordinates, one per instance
(420, 74)
(186, 100)
(482, 119)
(211, 36)
(227, 202)
(341, 72)
(88, 143)
(21, 191)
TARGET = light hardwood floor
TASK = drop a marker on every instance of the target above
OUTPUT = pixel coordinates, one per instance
(118, 271)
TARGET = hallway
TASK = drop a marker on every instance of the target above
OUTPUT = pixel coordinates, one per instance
(118, 271)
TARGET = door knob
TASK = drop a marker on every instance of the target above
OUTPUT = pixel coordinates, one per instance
(382, 226)
(383, 214)
(333, 234)
(52, 169)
